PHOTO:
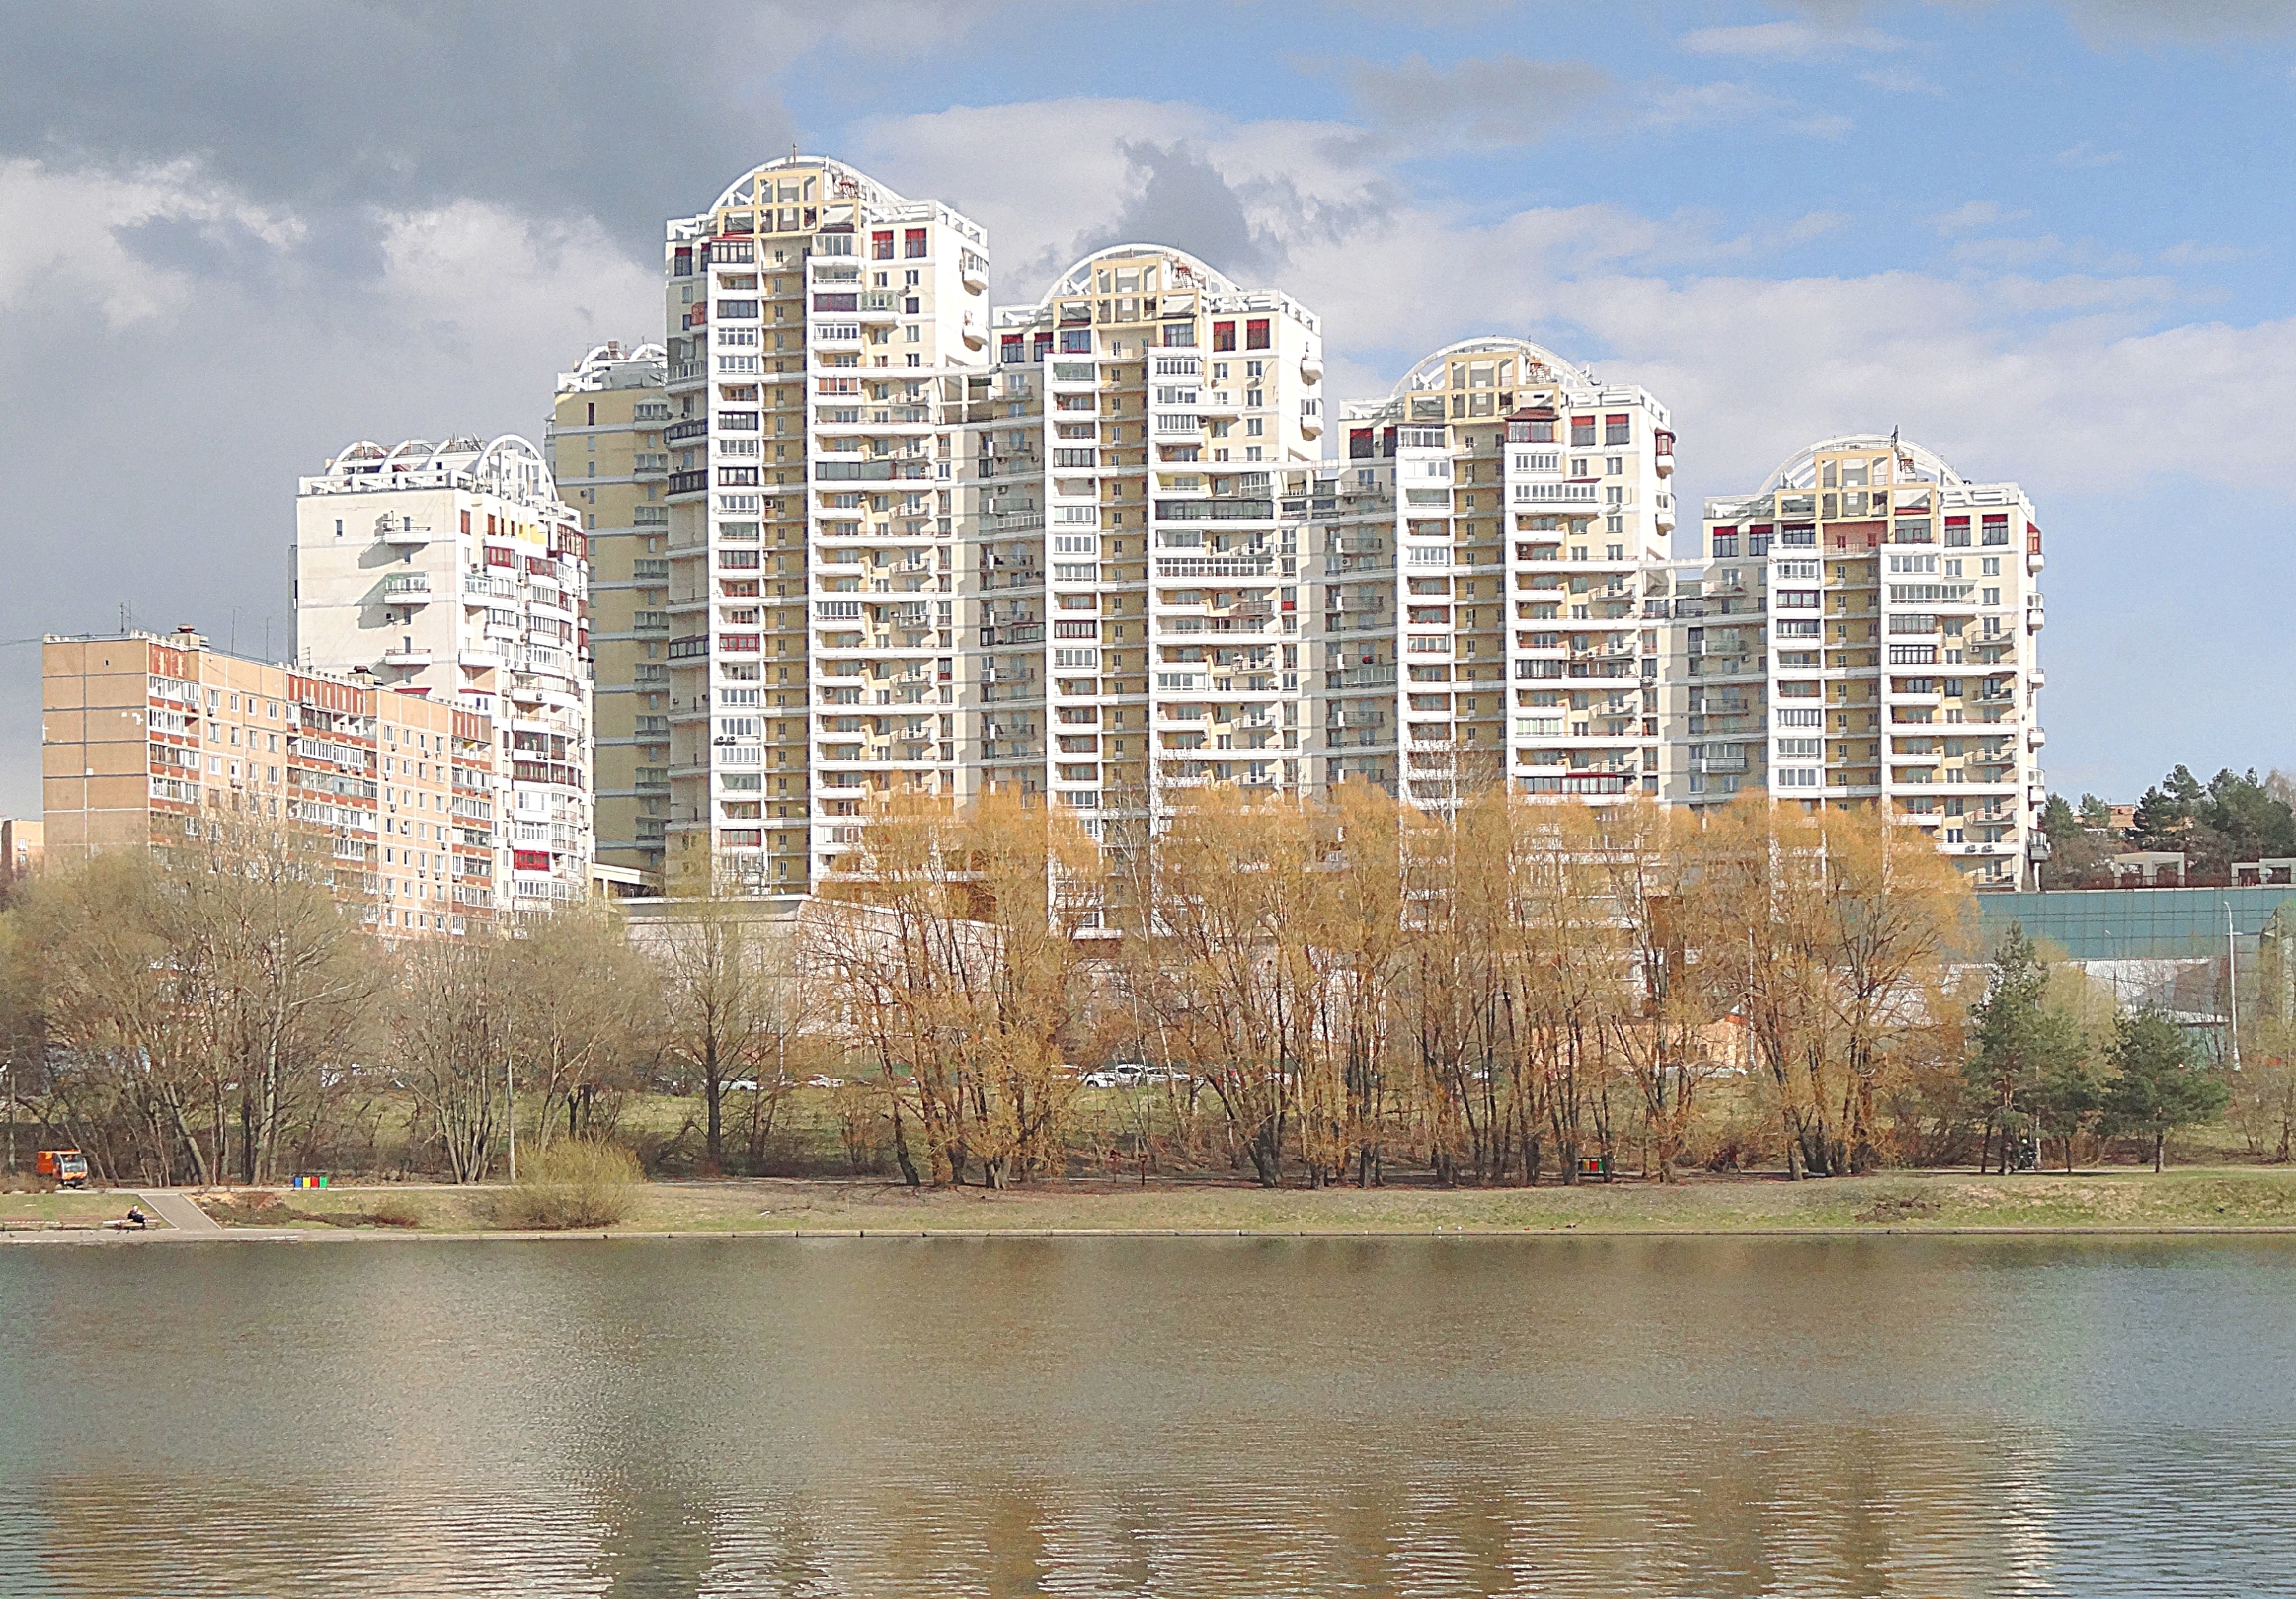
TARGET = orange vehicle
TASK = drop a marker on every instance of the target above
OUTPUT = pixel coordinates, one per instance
(68, 1167)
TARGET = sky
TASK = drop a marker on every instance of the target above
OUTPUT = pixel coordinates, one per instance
(2051, 242)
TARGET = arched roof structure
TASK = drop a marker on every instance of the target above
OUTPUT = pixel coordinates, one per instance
(1431, 370)
(1800, 472)
(508, 464)
(1078, 279)
(851, 183)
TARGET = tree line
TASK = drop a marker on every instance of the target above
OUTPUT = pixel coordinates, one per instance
(1324, 992)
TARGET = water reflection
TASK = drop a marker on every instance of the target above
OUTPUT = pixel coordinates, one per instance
(1168, 1417)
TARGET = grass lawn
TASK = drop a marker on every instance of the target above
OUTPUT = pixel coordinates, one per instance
(1901, 1201)
(75, 1210)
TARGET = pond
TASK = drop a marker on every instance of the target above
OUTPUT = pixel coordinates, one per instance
(1166, 1416)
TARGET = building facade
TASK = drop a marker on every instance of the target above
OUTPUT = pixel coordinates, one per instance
(1865, 630)
(455, 571)
(1486, 551)
(1135, 512)
(821, 331)
(604, 446)
(144, 739)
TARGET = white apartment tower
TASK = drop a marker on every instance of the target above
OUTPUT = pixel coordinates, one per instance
(1485, 551)
(1865, 630)
(1136, 517)
(453, 571)
(820, 333)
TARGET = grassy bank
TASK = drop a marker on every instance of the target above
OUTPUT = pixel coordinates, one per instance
(1899, 1201)
(38, 1211)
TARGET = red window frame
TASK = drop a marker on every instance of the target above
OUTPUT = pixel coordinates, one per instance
(1223, 336)
(1257, 333)
(881, 246)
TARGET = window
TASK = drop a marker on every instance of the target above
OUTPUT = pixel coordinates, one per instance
(1582, 437)
(881, 246)
(593, 413)
(1997, 529)
(913, 242)
(1075, 341)
(1223, 336)
(1618, 429)
(1255, 334)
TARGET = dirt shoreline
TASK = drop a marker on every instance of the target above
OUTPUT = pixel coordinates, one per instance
(234, 1236)
(2193, 1202)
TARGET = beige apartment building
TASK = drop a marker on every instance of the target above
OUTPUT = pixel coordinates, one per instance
(1485, 553)
(1135, 509)
(1865, 630)
(821, 330)
(604, 447)
(453, 570)
(22, 848)
(144, 738)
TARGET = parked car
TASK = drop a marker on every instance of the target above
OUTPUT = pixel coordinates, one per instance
(818, 1081)
(1098, 1079)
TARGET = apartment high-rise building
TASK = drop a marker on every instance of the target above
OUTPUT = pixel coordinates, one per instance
(453, 570)
(821, 330)
(605, 449)
(1485, 552)
(146, 740)
(1136, 504)
(1865, 630)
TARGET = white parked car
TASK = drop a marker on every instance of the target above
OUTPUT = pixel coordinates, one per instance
(821, 1081)
(1098, 1079)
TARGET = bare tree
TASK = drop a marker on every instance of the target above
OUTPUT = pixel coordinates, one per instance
(726, 997)
(450, 1033)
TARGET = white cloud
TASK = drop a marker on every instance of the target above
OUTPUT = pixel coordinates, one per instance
(60, 225)
(2007, 373)
(1788, 41)
(1975, 215)
(1899, 81)
(2193, 254)
(1678, 106)
(2086, 154)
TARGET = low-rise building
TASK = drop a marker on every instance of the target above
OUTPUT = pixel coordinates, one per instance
(146, 738)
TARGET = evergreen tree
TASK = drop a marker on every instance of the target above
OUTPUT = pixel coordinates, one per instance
(2159, 1088)
(2018, 1045)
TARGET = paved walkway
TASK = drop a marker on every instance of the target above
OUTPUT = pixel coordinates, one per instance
(178, 1212)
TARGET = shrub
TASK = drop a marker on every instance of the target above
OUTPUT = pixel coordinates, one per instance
(395, 1213)
(574, 1184)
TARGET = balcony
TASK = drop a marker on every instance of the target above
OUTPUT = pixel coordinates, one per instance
(406, 536)
(406, 588)
(688, 482)
(408, 655)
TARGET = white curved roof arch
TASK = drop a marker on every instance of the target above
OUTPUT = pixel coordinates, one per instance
(1078, 279)
(1431, 369)
(862, 187)
(1801, 472)
(513, 457)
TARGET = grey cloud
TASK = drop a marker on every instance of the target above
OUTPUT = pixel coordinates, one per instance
(2113, 22)
(1493, 102)
(579, 108)
(1184, 200)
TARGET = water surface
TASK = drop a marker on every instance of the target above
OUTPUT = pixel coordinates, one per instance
(1142, 1417)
